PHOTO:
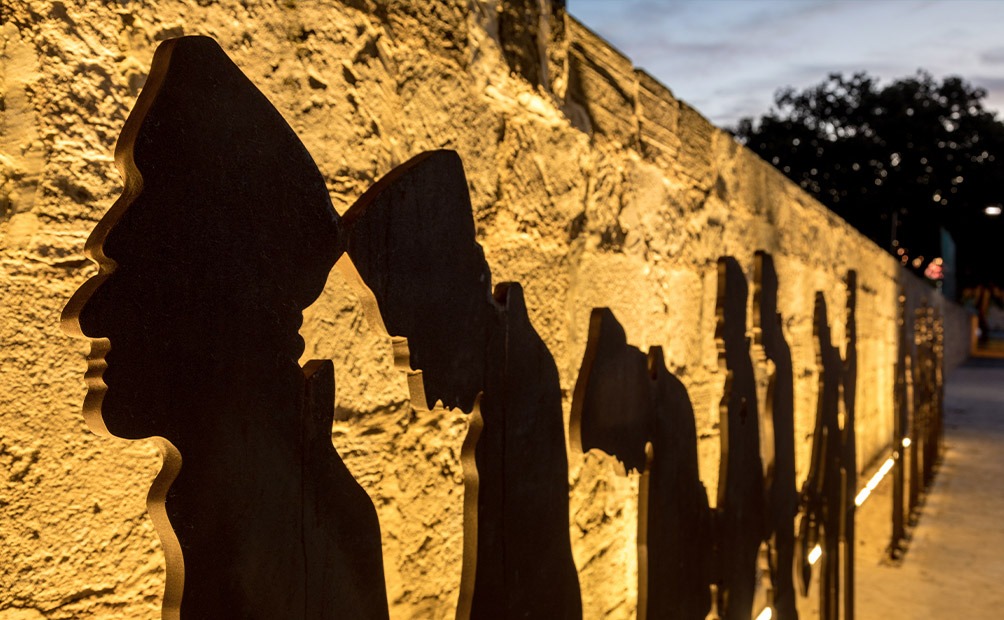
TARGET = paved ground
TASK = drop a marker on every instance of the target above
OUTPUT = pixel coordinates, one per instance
(954, 565)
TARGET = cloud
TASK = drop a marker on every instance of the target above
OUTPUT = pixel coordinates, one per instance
(690, 52)
(821, 71)
(729, 57)
(989, 82)
(993, 56)
(774, 17)
(733, 110)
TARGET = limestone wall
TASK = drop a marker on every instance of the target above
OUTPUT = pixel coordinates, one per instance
(592, 186)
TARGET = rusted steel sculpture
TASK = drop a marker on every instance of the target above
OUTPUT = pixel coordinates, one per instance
(930, 388)
(617, 406)
(935, 378)
(848, 456)
(774, 363)
(939, 384)
(412, 244)
(903, 401)
(223, 234)
(739, 513)
(915, 486)
(826, 495)
(918, 426)
(925, 394)
(628, 405)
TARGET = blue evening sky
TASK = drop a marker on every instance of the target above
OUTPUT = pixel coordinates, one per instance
(728, 57)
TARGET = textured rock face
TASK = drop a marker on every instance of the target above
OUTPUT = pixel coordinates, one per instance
(591, 184)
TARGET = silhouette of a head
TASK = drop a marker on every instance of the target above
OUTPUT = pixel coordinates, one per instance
(613, 408)
(411, 237)
(732, 294)
(223, 234)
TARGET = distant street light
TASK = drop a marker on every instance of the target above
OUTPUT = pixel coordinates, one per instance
(993, 210)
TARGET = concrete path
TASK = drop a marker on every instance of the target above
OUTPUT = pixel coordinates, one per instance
(954, 565)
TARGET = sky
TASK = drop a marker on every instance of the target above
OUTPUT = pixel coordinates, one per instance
(727, 58)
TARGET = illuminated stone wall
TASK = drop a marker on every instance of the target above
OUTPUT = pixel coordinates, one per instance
(592, 185)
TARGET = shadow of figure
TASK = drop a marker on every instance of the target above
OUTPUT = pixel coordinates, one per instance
(425, 282)
(628, 405)
(223, 234)
(739, 514)
(823, 492)
(780, 490)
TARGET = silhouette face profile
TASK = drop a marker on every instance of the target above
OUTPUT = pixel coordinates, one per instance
(412, 239)
(613, 407)
(223, 234)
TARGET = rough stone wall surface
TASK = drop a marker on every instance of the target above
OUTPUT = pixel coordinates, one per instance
(592, 187)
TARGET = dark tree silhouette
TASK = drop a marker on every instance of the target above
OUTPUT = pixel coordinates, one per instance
(897, 161)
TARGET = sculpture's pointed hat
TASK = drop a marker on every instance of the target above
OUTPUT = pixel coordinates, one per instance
(216, 184)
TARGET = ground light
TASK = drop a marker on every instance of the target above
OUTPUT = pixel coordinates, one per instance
(874, 482)
(815, 554)
(993, 210)
(766, 614)
(817, 551)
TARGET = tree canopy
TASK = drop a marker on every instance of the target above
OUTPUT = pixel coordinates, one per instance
(899, 162)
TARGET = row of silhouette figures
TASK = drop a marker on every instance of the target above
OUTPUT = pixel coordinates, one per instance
(918, 426)
(225, 232)
(702, 562)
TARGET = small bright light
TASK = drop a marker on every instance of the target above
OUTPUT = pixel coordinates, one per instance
(862, 496)
(766, 614)
(906, 442)
(934, 271)
(993, 210)
(815, 554)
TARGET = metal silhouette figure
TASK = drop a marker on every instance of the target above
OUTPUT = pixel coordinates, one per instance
(903, 400)
(828, 493)
(223, 234)
(413, 253)
(629, 406)
(938, 381)
(774, 360)
(848, 456)
(927, 356)
(740, 524)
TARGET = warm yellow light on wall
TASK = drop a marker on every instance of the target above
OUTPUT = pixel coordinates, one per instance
(906, 442)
